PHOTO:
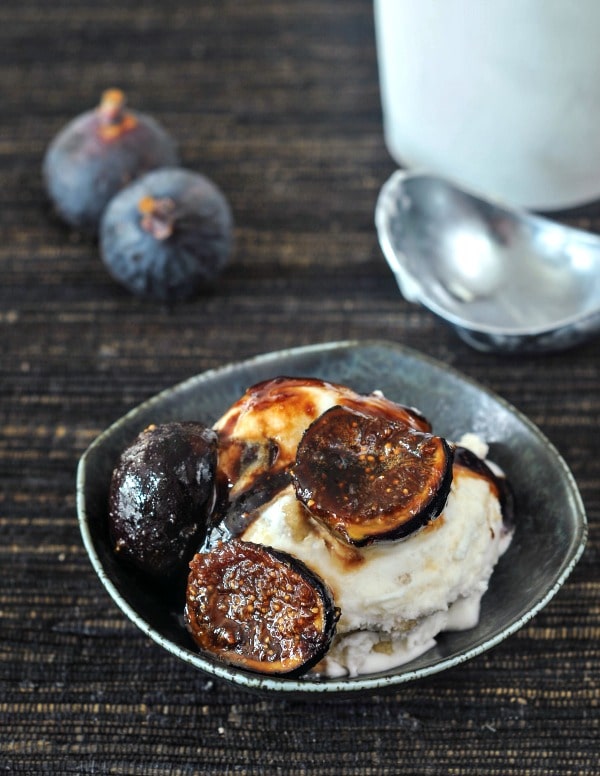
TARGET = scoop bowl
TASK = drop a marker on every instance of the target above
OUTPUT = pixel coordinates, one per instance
(505, 279)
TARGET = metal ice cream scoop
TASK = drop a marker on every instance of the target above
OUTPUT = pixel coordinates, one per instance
(505, 279)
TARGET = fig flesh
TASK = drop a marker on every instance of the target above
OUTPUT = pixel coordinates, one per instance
(259, 609)
(369, 478)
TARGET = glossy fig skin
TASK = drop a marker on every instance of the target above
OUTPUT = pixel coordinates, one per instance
(161, 495)
(498, 482)
(168, 235)
(368, 478)
(259, 609)
(98, 153)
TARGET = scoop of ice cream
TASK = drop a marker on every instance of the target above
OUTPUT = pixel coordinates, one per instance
(394, 596)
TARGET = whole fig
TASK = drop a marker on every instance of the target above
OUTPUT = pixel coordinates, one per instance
(98, 153)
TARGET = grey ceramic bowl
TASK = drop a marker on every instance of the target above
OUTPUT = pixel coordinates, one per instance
(551, 525)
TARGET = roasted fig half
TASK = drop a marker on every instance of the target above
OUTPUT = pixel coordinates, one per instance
(161, 494)
(368, 478)
(259, 609)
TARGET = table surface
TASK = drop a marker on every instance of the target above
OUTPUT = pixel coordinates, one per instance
(278, 103)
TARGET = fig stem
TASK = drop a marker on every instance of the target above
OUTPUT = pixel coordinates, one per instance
(114, 119)
(158, 216)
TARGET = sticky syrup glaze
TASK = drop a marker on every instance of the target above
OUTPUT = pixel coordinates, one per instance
(260, 433)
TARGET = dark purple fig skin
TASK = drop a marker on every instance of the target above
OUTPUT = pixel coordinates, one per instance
(161, 495)
(168, 235)
(465, 457)
(95, 155)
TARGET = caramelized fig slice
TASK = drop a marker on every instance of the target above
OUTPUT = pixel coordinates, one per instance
(259, 609)
(370, 479)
